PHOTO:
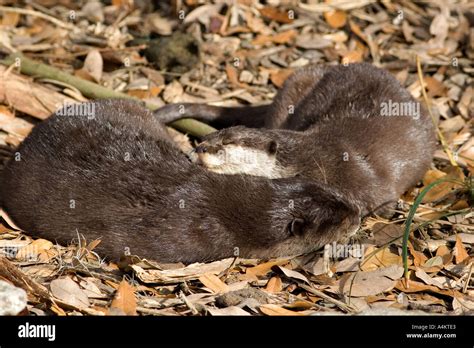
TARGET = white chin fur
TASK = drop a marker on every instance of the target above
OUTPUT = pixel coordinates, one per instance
(243, 160)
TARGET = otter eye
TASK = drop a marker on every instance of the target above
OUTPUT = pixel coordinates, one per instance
(296, 227)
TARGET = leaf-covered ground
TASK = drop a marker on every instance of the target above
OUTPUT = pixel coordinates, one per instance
(240, 52)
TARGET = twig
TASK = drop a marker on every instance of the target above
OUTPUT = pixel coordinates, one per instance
(95, 91)
(336, 5)
(328, 298)
(468, 279)
(37, 14)
(193, 309)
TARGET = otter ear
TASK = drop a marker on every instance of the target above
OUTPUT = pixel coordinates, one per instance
(296, 227)
(272, 147)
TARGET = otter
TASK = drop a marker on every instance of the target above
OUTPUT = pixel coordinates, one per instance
(355, 129)
(371, 161)
(109, 170)
(311, 95)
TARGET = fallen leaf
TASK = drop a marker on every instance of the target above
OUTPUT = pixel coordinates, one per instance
(193, 271)
(233, 310)
(335, 18)
(158, 24)
(264, 268)
(93, 65)
(274, 285)
(460, 253)
(272, 309)
(427, 279)
(292, 274)
(10, 19)
(373, 282)
(279, 38)
(467, 238)
(384, 233)
(414, 286)
(434, 87)
(68, 291)
(279, 77)
(213, 283)
(14, 125)
(276, 15)
(33, 250)
(232, 75)
(124, 302)
(379, 258)
(352, 57)
(419, 258)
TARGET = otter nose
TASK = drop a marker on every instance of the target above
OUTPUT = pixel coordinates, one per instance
(201, 149)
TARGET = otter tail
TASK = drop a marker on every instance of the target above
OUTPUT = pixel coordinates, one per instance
(218, 116)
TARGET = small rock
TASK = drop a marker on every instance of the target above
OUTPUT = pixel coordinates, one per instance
(246, 76)
(12, 299)
(93, 11)
(234, 298)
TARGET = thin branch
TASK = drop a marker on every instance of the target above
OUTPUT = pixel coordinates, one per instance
(37, 14)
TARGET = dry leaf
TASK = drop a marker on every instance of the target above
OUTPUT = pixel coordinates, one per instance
(232, 310)
(419, 258)
(292, 274)
(124, 302)
(352, 57)
(382, 258)
(335, 18)
(66, 290)
(460, 253)
(264, 268)
(274, 285)
(434, 87)
(33, 250)
(193, 271)
(276, 15)
(233, 75)
(372, 283)
(415, 286)
(279, 77)
(14, 125)
(279, 38)
(93, 65)
(272, 309)
(213, 283)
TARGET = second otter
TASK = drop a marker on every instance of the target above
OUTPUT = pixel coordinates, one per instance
(356, 129)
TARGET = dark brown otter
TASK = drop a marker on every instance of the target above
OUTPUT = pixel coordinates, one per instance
(371, 161)
(111, 172)
(356, 129)
(312, 94)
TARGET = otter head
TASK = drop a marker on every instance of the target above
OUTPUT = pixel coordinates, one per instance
(314, 215)
(240, 150)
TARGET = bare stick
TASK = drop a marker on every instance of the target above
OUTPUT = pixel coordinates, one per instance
(37, 14)
(94, 91)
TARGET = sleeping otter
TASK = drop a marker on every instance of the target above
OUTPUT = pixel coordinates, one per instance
(372, 161)
(354, 128)
(115, 175)
(313, 94)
